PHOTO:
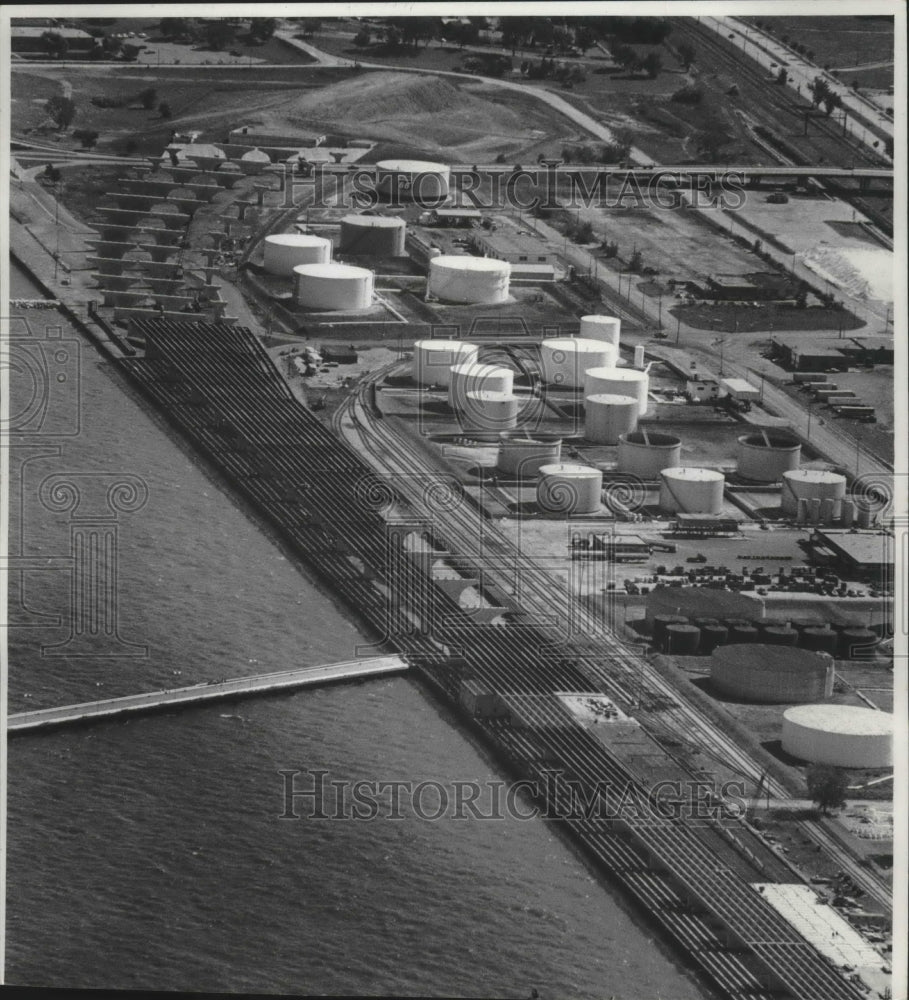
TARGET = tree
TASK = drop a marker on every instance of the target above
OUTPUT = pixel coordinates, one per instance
(148, 97)
(819, 89)
(56, 45)
(164, 109)
(62, 110)
(827, 786)
(362, 38)
(52, 173)
(687, 52)
(637, 260)
(652, 64)
(711, 142)
(173, 27)
(782, 77)
(626, 57)
(88, 137)
(218, 34)
(831, 102)
(262, 28)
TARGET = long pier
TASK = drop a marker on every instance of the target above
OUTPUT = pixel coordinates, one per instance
(195, 694)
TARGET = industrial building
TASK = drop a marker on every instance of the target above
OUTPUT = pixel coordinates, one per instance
(800, 353)
(513, 247)
(857, 554)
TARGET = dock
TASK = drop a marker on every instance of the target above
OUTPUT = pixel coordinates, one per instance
(197, 694)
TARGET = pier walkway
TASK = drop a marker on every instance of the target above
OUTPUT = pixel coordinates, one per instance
(284, 680)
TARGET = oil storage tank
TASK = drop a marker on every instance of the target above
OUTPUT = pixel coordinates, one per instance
(841, 735)
(204, 155)
(607, 417)
(333, 287)
(567, 488)
(373, 236)
(434, 359)
(645, 454)
(254, 161)
(524, 456)
(566, 360)
(474, 377)
(812, 485)
(488, 410)
(821, 640)
(421, 181)
(682, 640)
(771, 674)
(857, 643)
(764, 456)
(661, 623)
(620, 382)
(469, 280)
(605, 328)
(285, 251)
(689, 490)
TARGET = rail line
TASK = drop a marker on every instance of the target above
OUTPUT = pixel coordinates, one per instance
(628, 678)
(221, 388)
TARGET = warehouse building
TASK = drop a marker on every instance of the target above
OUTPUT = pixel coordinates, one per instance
(800, 353)
(857, 553)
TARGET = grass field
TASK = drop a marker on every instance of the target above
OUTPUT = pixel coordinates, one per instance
(840, 42)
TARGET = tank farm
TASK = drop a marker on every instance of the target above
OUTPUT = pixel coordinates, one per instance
(590, 429)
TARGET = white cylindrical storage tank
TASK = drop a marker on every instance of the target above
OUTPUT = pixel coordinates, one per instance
(841, 735)
(254, 161)
(487, 410)
(645, 453)
(434, 359)
(686, 490)
(826, 511)
(801, 513)
(285, 251)
(333, 287)
(413, 180)
(764, 456)
(373, 236)
(605, 328)
(812, 484)
(639, 356)
(204, 155)
(524, 457)
(565, 488)
(566, 360)
(607, 417)
(469, 280)
(474, 378)
(619, 382)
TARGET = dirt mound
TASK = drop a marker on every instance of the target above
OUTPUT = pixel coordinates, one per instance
(429, 112)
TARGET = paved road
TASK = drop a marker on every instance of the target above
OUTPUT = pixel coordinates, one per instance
(766, 50)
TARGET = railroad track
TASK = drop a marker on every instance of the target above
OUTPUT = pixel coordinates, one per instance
(628, 678)
(222, 389)
(777, 105)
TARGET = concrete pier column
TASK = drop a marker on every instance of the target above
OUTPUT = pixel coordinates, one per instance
(260, 197)
(218, 308)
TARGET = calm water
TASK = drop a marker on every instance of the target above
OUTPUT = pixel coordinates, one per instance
(149, 853)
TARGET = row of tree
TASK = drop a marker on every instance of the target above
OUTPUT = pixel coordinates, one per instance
(217, 33)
